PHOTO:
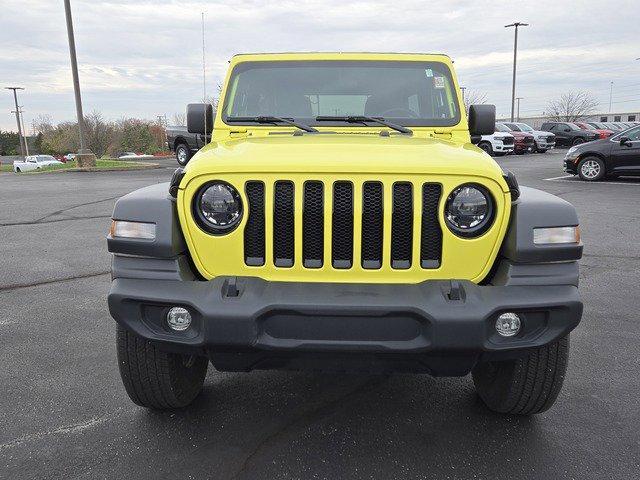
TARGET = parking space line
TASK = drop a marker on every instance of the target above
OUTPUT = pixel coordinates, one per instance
(558, 178)
(565, 177)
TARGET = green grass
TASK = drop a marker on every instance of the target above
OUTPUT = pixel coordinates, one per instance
(100, 164)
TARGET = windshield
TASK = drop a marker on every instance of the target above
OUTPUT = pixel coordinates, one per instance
(524, 127)
(513, 127)
(406, 93)
(502, 128)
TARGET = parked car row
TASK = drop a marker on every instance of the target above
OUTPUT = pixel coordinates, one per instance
(574, 133)
(516, 137)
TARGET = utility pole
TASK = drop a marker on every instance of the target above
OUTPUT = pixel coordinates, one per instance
(518, 109)
(26, 141)
(17, 112)
(610, 97)
(515, 56)
(84, 158)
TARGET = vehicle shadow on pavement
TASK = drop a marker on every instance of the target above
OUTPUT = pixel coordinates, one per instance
(300, 425)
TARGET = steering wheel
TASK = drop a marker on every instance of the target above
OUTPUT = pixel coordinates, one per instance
(411, 113)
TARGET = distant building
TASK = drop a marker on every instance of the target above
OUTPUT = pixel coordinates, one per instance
(536, 122)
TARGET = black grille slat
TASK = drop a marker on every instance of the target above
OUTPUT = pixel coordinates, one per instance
(283, 224)
(402, 226)
(431, 233)
(372, 225)
(342, 225)
(313, 225)
(254, 239)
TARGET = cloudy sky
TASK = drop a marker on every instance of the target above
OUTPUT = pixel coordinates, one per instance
(143, 58)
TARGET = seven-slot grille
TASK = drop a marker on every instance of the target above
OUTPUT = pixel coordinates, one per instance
(413, 206)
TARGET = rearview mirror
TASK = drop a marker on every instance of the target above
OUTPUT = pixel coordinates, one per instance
(200, 118)
(625, 142)
(482, 121)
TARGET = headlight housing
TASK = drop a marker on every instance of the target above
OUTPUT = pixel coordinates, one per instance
(469, 210)
(217, 207)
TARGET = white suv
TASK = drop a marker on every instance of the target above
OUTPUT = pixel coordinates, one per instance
(497, 144)
(543, 140)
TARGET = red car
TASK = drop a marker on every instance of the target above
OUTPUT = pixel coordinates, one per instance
(600, 131)
(524, 142)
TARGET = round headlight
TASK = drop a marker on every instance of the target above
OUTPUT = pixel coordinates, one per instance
(217, 207)
(469, 210)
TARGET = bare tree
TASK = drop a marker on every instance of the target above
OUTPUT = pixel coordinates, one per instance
(572, 106)
(473, 97)
(98, 132)
(179, 119)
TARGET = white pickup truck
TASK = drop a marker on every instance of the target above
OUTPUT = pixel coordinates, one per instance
(497, 144)
(34, 162)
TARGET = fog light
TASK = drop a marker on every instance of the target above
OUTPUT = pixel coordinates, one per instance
(178, 319)
(508, 324)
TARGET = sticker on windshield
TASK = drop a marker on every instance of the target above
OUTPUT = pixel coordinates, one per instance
(438, 82)
(428, 72)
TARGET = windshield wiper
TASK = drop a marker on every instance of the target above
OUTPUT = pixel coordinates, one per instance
(273, 120)
(364, 119)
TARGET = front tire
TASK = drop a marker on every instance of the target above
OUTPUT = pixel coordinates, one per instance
(525, 386)
(577, 141)
(486, 147)
(591, 169)
(183, 154)
(154, 378)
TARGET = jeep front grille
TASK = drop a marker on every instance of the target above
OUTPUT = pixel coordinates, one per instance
(414, 206)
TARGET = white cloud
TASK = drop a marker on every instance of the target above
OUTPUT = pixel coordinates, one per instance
(143, 57)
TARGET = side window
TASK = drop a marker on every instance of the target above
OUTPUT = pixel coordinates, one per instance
(633, 135)
(31, 159)
(553, 128)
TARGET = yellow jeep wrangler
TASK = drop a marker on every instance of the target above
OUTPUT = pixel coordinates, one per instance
(342, 219)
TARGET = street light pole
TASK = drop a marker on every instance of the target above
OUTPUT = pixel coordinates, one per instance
(17, 112)
(515, 55)
(518, 109)
(610, 97)
(84, 158)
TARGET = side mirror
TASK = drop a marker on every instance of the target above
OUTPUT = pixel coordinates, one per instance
(200, 118)
(482, 121)
(625, 142)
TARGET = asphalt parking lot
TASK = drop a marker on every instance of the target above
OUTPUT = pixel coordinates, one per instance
(65, 413)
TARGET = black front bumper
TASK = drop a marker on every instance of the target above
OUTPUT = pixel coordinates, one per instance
(439, 327)
(570, 166)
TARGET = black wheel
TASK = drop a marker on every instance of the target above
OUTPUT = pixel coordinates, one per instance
(18, 170)
(486, 146)
(157, 379)
(183, 154)
(525, 386)
(577, 141)
(591, 169)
